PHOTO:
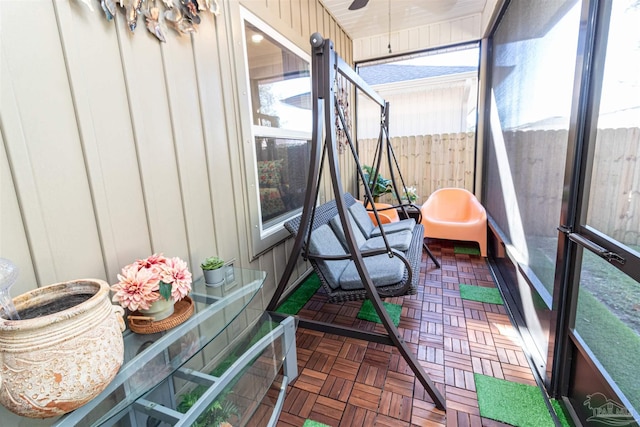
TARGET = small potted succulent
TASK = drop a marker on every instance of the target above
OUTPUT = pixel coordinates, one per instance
(213, 271)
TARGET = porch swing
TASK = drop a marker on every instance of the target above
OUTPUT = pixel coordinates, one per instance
(330, 236)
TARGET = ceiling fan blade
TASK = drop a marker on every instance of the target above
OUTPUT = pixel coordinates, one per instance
(358, 4)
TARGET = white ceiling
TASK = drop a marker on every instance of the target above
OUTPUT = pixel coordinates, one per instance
(373, 19)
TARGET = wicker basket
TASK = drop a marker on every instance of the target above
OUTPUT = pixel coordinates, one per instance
(140, 324)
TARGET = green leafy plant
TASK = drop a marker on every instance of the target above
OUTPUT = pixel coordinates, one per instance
(222, 409)
(380, 186)
(218, 413)
(212, 263)
(190, 399)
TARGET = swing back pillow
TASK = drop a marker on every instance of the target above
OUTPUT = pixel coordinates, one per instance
(392, 276)
(343, 273)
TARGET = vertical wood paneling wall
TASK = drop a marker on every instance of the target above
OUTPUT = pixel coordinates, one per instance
(114, 146)
(454, 31)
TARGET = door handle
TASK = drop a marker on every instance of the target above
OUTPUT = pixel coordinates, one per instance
(593, 247)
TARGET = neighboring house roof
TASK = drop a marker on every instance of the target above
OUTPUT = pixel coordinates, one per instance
(389, 73)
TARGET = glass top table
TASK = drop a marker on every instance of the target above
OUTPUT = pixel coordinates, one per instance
(152, 359)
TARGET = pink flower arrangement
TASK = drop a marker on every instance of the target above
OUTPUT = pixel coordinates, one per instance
(147, 280)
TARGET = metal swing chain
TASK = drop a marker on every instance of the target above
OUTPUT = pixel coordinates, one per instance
(361, 173)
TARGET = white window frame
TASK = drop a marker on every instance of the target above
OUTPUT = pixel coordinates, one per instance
(263, 238)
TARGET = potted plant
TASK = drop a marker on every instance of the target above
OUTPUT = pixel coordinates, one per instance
(213, 271)
(64, 348)
(153, 285)
(378, 187)
(410, 194)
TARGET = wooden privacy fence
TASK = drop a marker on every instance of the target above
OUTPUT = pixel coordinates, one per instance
(534, 174)
(614, 206)
(429, 162)
(536, 162)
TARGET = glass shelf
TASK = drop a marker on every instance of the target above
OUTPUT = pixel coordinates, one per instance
(160, 369)
(234, 387)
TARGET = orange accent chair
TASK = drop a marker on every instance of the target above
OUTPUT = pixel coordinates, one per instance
(455, 214)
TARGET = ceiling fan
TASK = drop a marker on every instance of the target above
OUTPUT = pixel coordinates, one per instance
(358, 4)
(435, 6)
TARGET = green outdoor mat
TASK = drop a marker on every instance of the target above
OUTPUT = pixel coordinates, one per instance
(481, 294)
(513, 403)
(367, 312)
(300, 296)
(467, 250)
(311, 423)
(560, 411)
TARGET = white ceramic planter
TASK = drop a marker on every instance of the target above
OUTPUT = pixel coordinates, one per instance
(214, 277)
(159, 310)
(55, 363)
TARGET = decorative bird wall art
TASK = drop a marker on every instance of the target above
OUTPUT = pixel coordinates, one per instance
(183, 16)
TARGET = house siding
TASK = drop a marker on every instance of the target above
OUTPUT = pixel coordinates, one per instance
(114, 145)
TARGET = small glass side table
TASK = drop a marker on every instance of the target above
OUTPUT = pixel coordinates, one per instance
(222, 361)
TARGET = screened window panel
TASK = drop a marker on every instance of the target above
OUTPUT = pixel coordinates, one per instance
(532, 71)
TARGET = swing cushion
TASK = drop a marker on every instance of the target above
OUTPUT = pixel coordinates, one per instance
(382, 269)
(400, 240)
(361, 216)
(386, 212)
(323, 241)
(336, 225)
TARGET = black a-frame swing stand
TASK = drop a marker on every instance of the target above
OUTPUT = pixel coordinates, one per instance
(326, 66)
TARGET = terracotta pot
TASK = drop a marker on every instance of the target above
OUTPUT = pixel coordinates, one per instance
(54, 363)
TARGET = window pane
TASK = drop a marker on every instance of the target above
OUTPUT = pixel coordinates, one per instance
(280, 83)
(282, 176)
(532, 82)
(280, 98)
(615, 182)
(609, 300)
(607, 320)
